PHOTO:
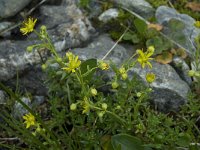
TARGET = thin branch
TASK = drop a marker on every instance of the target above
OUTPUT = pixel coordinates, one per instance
(115, 44)
(9, 139)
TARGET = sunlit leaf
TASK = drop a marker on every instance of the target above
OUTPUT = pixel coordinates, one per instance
(194, 6)
(164, 58)
(181, 52)
(158, 27)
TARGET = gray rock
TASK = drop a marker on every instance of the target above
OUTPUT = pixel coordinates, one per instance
(98, 49)
(170, 92)
(4, 26)
(2, 97)
(31, 80)
(108, 15)
(183, 36)
(141, 7)
(14, 58)
(38, 100)
(19, 110)
(182, 69)
(67, 25)
(9, 8)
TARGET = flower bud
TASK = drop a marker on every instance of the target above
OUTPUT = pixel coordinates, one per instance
(124, 76)
(30, 48)
(44, 66)
(150, 77)
(104, 106)
(197, 24)
(151, 49)
(93, 92)
(73, 106)
(103, 65)
(191, 73)
(100, 114)
(122, 70)
(43, 27)
(115, 85)
(138, 94)
(197, 74)
(118, 107)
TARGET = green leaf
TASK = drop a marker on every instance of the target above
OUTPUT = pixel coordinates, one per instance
(86, 67)
(183, 140)
(157, 43)
(131, 37)
(127, 36)
(126, 142)
(141, 26)
(84, 3)
(179, 37)
(175, 25)
(135, 39)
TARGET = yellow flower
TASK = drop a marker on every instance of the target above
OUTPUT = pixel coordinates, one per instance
(103, 65)
(29, 120)
(144, 58)
(150, 77)
(73, 63)
(197, 24)
(28, 26)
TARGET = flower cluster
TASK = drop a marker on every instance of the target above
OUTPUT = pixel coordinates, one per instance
(143, 59)
(123, 73)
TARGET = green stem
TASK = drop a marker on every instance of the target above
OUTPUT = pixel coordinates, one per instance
(111, 113)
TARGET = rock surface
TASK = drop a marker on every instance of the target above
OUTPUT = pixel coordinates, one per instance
(9, 8)
(141, 7)
(98, 49)
(179, 27)
(4, 25)
(108, 15)
(182, 69)
(2, 97)
(14, 58)
(67, 25)
(19, 110)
